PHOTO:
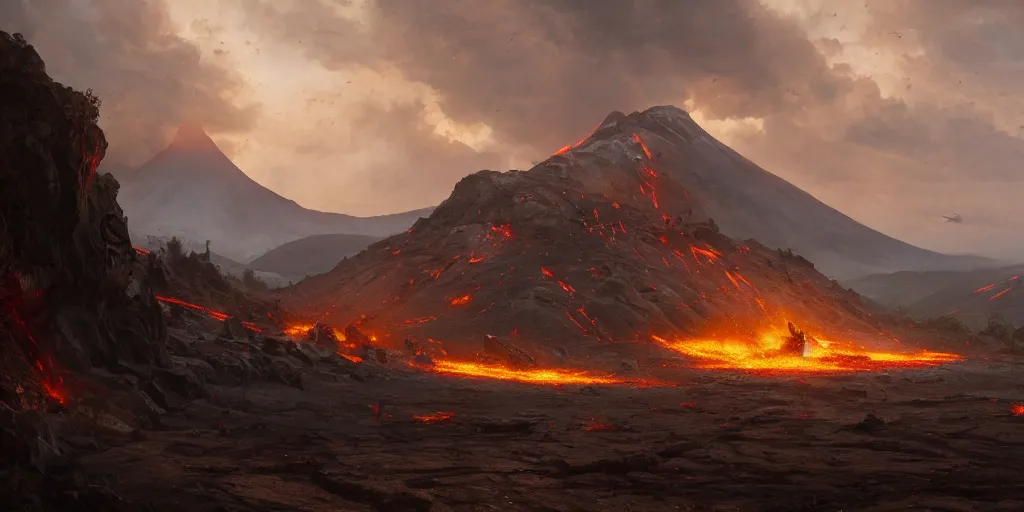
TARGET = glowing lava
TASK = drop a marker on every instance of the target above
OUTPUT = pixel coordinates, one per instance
(216, 315)
(548, 376)
(298, 330)
(765, 355)
(437, 417)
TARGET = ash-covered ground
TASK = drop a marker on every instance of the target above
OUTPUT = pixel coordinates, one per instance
(372, 436)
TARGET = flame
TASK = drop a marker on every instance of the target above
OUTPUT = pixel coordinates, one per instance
(459, 301)
(549, 376)
(437, 417)
(298, 330)
(764, 355)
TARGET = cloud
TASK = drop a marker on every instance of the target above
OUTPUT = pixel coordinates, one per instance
(912, 103)
(148, 77)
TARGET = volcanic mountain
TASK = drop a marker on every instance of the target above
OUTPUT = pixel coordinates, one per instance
(193, 191)
(603, 241)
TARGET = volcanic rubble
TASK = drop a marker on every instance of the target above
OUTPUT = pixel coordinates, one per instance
(137, 380)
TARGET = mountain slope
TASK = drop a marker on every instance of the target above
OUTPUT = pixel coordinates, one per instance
(192, 190)
(594, 245)
(311, 255)
(750, 202)
(971, 296)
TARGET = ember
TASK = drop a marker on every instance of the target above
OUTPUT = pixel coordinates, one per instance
(768, 354)
(1017, 409)
(437, 417)
(530, 376)
(460, 301)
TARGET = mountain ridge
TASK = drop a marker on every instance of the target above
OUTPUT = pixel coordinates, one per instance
(193, 190)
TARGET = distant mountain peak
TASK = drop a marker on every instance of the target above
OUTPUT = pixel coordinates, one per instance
(191, 135)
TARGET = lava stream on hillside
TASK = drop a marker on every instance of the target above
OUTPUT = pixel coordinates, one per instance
(765, 354)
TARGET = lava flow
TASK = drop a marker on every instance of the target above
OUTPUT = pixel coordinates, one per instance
(547, 376)
(766, 354)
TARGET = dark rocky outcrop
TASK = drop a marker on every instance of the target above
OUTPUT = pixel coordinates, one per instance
(73, 295)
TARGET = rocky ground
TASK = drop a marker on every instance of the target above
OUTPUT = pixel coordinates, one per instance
(371, 436)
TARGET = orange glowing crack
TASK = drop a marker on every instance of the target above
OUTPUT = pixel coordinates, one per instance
(437, 417)
(765, 355)
(140, 250)
(548, 376)
(459, 301)
(1000, 294)
(567, 287)
(643, 146)
(985, 288)
(216, 315)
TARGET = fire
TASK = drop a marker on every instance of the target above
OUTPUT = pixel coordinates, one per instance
(437, 417)
(547, 376)
(765, 354)
(459, 301)
(298, 330)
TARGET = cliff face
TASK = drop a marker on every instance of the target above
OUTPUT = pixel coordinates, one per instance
(73, 294)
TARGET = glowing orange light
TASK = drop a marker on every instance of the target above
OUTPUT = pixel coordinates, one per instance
(437, 417)
(530, 376)
(764, 354)
(459, 301)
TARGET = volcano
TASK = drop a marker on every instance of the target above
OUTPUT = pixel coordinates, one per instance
(193, 191)
(605, 241)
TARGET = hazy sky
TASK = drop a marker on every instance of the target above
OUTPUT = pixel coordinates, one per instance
(893, 111)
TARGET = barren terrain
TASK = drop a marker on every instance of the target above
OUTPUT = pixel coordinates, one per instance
(942, 438)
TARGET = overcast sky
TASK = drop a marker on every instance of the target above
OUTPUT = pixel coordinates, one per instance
(893, 111)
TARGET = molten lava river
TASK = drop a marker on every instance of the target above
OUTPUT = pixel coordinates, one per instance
(766, 354)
